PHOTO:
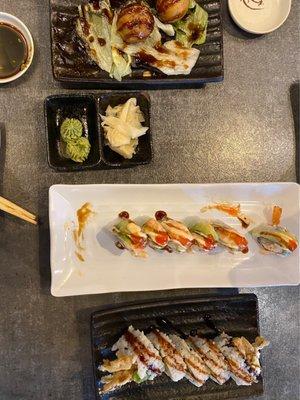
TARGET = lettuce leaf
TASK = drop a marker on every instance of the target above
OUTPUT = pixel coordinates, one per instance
(100, 39)
(192, 28)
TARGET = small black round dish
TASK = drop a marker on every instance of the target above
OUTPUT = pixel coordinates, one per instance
(143, 153)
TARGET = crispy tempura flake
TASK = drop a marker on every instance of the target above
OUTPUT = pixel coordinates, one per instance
(117, 379)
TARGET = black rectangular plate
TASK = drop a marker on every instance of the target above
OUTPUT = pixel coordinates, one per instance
(237, 315)
(71, 64)
(87, 108)
(80, 107)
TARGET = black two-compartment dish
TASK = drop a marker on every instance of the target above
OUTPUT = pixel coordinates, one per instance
(72, 66)
(88, 108)
(237, 315)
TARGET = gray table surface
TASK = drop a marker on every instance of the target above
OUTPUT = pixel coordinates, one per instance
(241, 130)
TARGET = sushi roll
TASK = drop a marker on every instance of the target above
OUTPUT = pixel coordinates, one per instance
(275, 239)
(130, 236)
(214, 359)
(180, 238)
(141, 357)
(250, 352)
(230, 238)
(148, 361)
(197, 372)
(175, 367)
(157, 235)
(239, 369)
(205, 236)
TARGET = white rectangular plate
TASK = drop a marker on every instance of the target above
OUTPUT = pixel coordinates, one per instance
(108, 269)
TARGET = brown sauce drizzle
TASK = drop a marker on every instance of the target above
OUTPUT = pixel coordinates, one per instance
(195, 366)
(244, 223)
(79, 256)
(83, 214)
(141, 351)
(161, 49)
(142, 57)
(170, 350)
(234, 368)
(210, 359)
(102, 41)
(244, 356)
(211, 372)
(108, 14)
(160, 215)
(85, 26)
(124, 215)
(223, 363)
(165, 4)
(137, 23)
(196, 31)
(145, 58)
(96, 4)
(166, 63)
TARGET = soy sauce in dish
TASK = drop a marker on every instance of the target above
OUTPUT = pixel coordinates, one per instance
(13, 51)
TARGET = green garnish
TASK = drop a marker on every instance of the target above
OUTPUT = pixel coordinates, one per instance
(71, 129)
(192, 28)
(137, 378)
(205, 228)
(78, 150)
(73, 144)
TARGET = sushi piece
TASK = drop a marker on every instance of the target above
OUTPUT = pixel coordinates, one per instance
(130, 236)
(205, 236)
(234, 210)
(251, 352)
(175, 367)
(214, 359)
(197, 372)
(230, 238)
(239, 369)
(180, 238)
(274, 238)
(157, 235)
(148, 361)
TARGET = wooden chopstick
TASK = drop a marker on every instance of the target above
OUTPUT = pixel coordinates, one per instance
(14, 209)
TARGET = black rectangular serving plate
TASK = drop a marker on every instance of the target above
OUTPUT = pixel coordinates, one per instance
(87, 108)
(237, 315)
(72, 66)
